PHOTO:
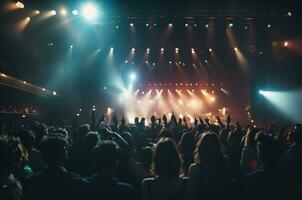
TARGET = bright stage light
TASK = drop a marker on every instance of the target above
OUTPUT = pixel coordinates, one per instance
(235, 49)
(286, 102)
(63, 12)
(269, 26)
(53, 12)
(170, 25)
(231, 25)
(132, 76)
(90, 11)
(71, 46)
(207, 25)
(75, 12)
(37, 12)
(20, 4)
(54, 93)
(186, 25)
(131, 24)
(289, 14)
(210, 50)
(133, 50)
(285, 44)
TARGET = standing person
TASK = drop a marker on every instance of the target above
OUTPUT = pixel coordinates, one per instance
(209, 176)
(104, 185)
(11, 155)
(55, 182)
(167, 167)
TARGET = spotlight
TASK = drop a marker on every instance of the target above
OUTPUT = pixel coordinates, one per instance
(148, 50)
(63, 12)
(133, 50)
(231, 25)
(269, 26)
(132, 76)
(43, 89)
(116, 27)
(54, 93)
(245, 27)
(27, 19)
(289, 14)
(170, 25)
(170, 62)
(37, 12)
(285, 44)
(75, 12)
(71, 46)
(261, 92)
(210, 50)
(147, 25)
(153, 64)
(126, 61)
(19, 4)
(147, 62)
(195, 25)
(162, 50)
(186, 25)
(176, 50)
(90, 11)
(192, 50)
(235, 49)
(207, 25)
(131, 24)
(53, 12)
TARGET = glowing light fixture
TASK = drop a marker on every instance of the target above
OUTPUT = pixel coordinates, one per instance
(19, 4)
(75, 12)
(90, 11)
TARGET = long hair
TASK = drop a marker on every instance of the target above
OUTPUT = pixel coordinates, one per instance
(208, 149)
(166, 158)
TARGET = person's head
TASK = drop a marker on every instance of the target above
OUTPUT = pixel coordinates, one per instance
(106, 156)
(53, 149)
(89, 141)
(81, 132)
(187, 144)
(62, 131)
(208, 149)
(166, 158)
(136, 120)
(12, 153)
(249, 140)
(145, 156)
(234, 138)
(297, 134)
(153, 119)
(268, 150)
(28, 139)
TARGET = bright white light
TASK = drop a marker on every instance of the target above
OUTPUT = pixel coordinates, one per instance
(20, 4)
(53, 12)
(231, 25)
(90, 11)
(54, 93)
(132, 76)
(75, 12)
(37, 12)
(261, 92)
(71, 46)
(63, 12)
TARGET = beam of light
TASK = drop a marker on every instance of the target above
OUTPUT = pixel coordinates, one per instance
(288, 103)
(90, 11)
(21, 26)
(241, 60)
